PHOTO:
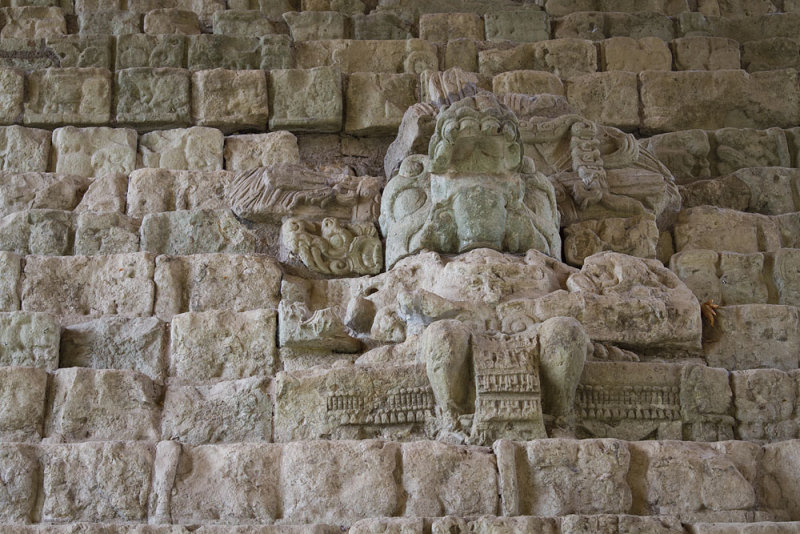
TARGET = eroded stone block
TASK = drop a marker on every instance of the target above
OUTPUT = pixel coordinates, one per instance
(636, 55)
(250, 151)
(195, 149)
(686, 153)
(705, 53)
(376, 102)
(413, 56)
(106, 193)
(94, 151)
(24, 149)
(306, 100)
(315, 25)
(12, 83)
(764, 400)
(158, 190)
(230, 100)
(48, 232)
(606, 97)
(771, 54)
(21, 476)
(780, 477)
(196, 232)
(738, 148)
(380, 25)
(598, 25)
(171, 21)
(243, 23)
(136, 50)
(33, 22)
(39, 190)
(566, 58)
(153, 98)
(635, 236)
(518, 26)
(707, 227)
(82, 51)
(223, 51)
(22, 395)
(528, 82)
(444, 27)
(10, 275)
(105, 233)
(109, 22)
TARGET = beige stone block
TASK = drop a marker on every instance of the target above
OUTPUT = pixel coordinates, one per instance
(121, 343)
(26, 55)
(521, 26)
(698, 270)
(194, 149)
(687, 154)
(119, 284)
(117, 490)
(741, 279)
(68, 96)
(109, 22)
(745, 8)
(29, 340)
(634, 236)
(780, 477)
(461, 53)
(738, 148)
(413, 56)
(24, 149)
(12, 89)
(744, 29)
(259, 150)
(106, 193)
(105, 233)
(21, 476)
(764, 400)
(48, 232)
(444, 27)
(33, 22)
(610, 98)
(559, 8)
(787, 276)
(598, 25)
(196, 232)
(306, 100)
(724, 192)
(230, 100)
(206, 52)
(528, 82)
(225, 412)
(346, 7)
(394, 525)
(707, 227)
(203, 282)
(157, 190)
(81, 51)
(617, 524)
(316, 25)
(566, 58)
(706, 53)
(771, 54)
(153, 98)
(10, 271)
(171, 21)
(94, 151)
(635, 55)
(102, 404)
(251, 23)
(769, 188)
(380, 25)
(376, 102)
(22, 394)
(136, 50)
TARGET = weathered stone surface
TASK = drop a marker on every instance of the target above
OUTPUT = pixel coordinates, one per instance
(12, 84)
(560, 8)
(39, 190)
(635, 55)
(598, 25)
(158, 190)
(22, 395)
(148, 98)
(230, 100)
(705, 53)
(194, 149)
(83, 51)
(102, 404)
(413, 56)
(203, 282)
(21, 476)
(48, 232)
(528, 82)
(763, 527)
(171, 21)
(196, 232)
(686, 154)
(303, 100)
(250, 151)
(68, 96)
(106, 193)
(105, 233)
(94, 151)
(24, 149)
(518, 26)
(448, 26)
(29, 340)
(10, 271)
(136, 344)
(606, 97)
(244, 23)
(707, 227)
(232, 411)
(771, 54)
(120, 284)
(744, 29)
(239, 53)
(635, 236)
(779, 477)
(136, 50)
(566, 58)
(379, 26)
(766, 190)
(315, 25)
(109, 22)
(376, 102)
(737, 148)
(32, 22)
(764, 400)
(222, 344)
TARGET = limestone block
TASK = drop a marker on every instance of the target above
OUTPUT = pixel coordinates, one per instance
(560, 476)
(10, 271)
(413, 56)
(94, 151)
(686, 154)
(442, 479)
(606, 97)
(249, 151)
(102, 404)
(771, 54)
(306, 100)
(751, 336)
(717, 99)
(12, 82)
(763, 401)
(243, 23)
(136, 50)
(29, 340)
(21, 476)
(707, 227)
(135, 344)
(559, 8)
(105, 193)
(223, 51)
(725, 192)
(741, 279)
(346, 7)
(48, 232)
(315, 25)
(444, 27)
(83, 51)
(566, 58)
(225, 412)
(157, 190)
(461, 53)
(746, 8)
(635, 55)
(230, 100)
(153, 98)
(196, 232)
(377, 101)
(528, 82)
(519, 26)
(105, 233)
(390, 526)
(635, 236)
(171, 21)
(380, 25)
(203, 282)
(32, 22)
(705, 53)
(24, 149)
(26, 54)
(598, 25)
(117, 490)
(789, 227)
(619, 524)
(68, 96)
(22, 394)
(744, 29)
(119, 284)
(109, 22)
(196, 149)
(770, 189)
(222, 344)
(738, 148)
(787, 276)
(39, 190)
(780, 477)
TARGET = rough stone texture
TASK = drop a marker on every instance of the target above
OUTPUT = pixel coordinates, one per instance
(230, 100)
(591, 96)
(635, 55)
(195, 148)
(136, 50)
(306, 100)
(315, 25)
(147, 98)
(10, 271)
(518, 26)
(32, 22)
(159, 190)
(529, 82)
(413, 56)
(764, 401)
(12, 83)
(566, 58)
(245, 23)
(105, 193)
(22, 394)
(707, 227)
(105, 233)
(171, 21)
(47, 232)
(448, 26)
(771, 54)
(598, 25)
(68, 96)
(39, 190)
(29, 340)
(109, 22)
(21, 476)
(706, 53)
(83, 51)
(779, 476)
(636, 236)
(24, 149)
(376, 102)
(94, 151)
(249, 151)
(196, 232)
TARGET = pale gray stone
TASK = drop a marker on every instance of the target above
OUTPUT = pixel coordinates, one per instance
(606, 97)
(109, 22)
(249, 151)
(518, 26)
(529, 82)
(230, 100)
(153, 98)
(22, 395)
(171, 21)
(94, 151)
(635, 55)
(10, 276)
(206, 52)
(244, 23)
(106, 193)
(196, 232)
(12, 85)
(29, 339)
(635, 236)
(376, 102)
(83, 51)
(105, 233)
(763, 401)
(780, 481)
(705, 53)
(21, 476)
(158, 190)
(566, 58)
(194, 149)
(619, 524)
(413, 56)
(315, 25)
(686, 154)
(599, 25)
(707, 227)
(68, 96)
(24, 149)
(135, 50)
(306, 99)
(39, 190)
(33, 22)
(48, 232)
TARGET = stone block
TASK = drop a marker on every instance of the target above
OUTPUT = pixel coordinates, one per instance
(29, 340)
(687, 154)
(769, 188)
(528, 82)
(519, 26)
(786, 275)
(32, 22)
(25, 149)
(48, 232)
(21, 475)
(771, 54)
(119, 284)
(376, 102)
(745, 29)
(619, 524)
(634, 236)
(22, 394)
(196, 232)
(707, 227)
(193, 149)
(560, 8)
(171, 21)
(380, 25)
(392, 526)
(203, 282)
(725, 192)
(444, 27)
(745, 8)
(157, 190)
(566, 58)
(251, 23)
(121, 343)
(105, 233)
(346, 7)
(206, 52)
(136, 50)
(635, 55)
(717, 99)
(316, 25)
(763, 401)
(705, 53)
(80, 51)
(12, 89)
(106, 193)
(94, 151)
(598, 25)
(68, 96)
(461, 53)
(153, 98)
(102, 404)
(10, 274)
(249, 151)
(413, 56)
(117, 490)
(230, 100)
(223, 345)
(306, 100)
(779, 468)
(737, 148)
(224, 412)
(109, 22)
(610, 98)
